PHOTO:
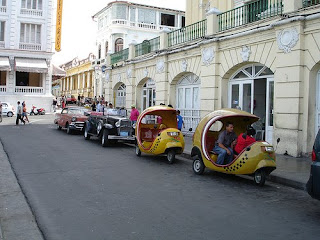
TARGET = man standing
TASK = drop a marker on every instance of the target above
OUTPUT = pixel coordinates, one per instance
(224, 144)
(134, 114)
(180, 121)
(19, 114)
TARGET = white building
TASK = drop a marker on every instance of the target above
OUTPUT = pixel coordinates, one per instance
(26, 51)
(121, 23)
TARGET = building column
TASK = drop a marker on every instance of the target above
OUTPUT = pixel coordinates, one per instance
(89, 80)
(68, 83)
(83, 80)
(291, 5)
(78, 87)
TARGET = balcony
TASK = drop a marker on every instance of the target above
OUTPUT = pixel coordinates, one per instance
(31, 12)
(147, 46)
(141, 25)
(31, 90)
(308, 3)
(3, 89)
(3, 9)
(119, 56)
(30, 46)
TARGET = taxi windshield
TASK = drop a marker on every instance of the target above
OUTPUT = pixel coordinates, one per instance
(77, 111)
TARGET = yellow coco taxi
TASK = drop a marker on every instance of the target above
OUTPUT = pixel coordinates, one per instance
(258, 159)
(157, 133)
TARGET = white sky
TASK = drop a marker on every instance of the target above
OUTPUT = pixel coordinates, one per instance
(79, 30)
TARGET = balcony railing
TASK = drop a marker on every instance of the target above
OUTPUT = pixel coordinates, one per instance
(32, 90)
(248, 13)
(308, 3)
(3, 9)
(2, 44)
(3, 89)
(120, 56)
(188, 33)
(140, 25)
(31, 12)
(147, 46)
(30, 46)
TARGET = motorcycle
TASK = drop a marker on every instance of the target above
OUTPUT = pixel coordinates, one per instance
(37, 111)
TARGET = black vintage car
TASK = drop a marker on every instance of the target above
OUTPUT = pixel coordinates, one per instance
(110, 126)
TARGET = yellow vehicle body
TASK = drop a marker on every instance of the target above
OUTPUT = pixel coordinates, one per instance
(155, 137)
(254, 158)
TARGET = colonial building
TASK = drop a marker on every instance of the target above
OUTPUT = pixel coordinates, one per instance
(26, 51)
(57, 75)
(79, 80)
(261, 56)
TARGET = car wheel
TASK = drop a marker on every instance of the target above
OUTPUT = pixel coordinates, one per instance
(138, 151)
(198, 165)
(86, 134)
(58, 126)
(171, 156)
(69, 130)
(104, 138)
(259, 177)
(10, 114)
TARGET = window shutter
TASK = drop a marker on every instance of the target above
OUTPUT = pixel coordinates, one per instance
(33, 34)
(22, 32)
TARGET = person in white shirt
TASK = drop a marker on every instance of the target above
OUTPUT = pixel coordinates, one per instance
(98, 109)
(19, 114)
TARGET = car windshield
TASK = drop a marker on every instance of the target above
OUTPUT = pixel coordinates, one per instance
(115, 112)
(77, 111)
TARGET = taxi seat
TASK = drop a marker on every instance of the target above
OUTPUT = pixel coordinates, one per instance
(149, 134)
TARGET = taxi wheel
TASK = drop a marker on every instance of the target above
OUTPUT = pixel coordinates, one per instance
(58, 126)
(69, 130)
(138, 151)
(198, 165)
(259, 177)
(171, 156)
(104, 138)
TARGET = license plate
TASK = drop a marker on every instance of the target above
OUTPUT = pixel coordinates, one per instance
(124, 134)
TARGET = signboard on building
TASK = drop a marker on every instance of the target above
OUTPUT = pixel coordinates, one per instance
(58, 25)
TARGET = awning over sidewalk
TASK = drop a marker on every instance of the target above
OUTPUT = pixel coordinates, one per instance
(4, 64)
(31, 65)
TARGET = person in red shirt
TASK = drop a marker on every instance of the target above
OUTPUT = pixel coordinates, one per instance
(245, 139)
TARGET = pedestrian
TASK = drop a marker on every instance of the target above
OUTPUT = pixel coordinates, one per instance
(134, 114)
(98, 107)
(93, 106)
(180, 121)
(79, 98)
(54, 104)
(110, 106)
(19, 114)
(24, 111)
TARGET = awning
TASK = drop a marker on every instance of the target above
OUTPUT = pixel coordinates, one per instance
(4, 64)
(31, 65)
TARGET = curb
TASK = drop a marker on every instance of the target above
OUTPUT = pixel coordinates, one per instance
(272, 177)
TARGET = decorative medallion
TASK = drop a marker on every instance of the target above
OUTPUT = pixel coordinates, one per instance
(207, 56)
(184, 65)
(129, 72)
(287, 39)
(245, 53)
(145, 72)
(160, 66)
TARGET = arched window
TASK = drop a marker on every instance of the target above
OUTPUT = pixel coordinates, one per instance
(118, 45)
(99, 51)
(121, 96)
(107, 47)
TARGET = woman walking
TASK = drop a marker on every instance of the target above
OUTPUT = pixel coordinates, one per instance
(24, 111)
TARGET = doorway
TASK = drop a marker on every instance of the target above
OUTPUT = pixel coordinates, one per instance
(148, 94)
(251, 89)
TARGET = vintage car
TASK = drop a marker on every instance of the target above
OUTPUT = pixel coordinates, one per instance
(71, 100)
(72, 119)
(109, 126)
(257, 160)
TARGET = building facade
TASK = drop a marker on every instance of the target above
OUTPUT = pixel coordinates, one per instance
(26, 51)
(262, 57)
(79, 79)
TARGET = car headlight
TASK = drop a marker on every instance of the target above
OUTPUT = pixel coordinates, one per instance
(73, 119)
(173, 134)
(134, 125)
(268, 149)
(117, 124)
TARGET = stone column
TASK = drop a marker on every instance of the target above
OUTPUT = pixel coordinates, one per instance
(78, 87)
(164, 38)
(291, 5)
(68, 84)
(132, 50)
(212, 21)
(83, 80)
(89, 80)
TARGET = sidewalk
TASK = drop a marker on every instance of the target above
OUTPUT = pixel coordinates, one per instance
(291, 171)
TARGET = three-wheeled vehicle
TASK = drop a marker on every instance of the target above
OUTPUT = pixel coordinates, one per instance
(157, 133)
(257, 160)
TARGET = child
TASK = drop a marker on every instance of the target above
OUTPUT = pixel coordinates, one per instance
(180, 121)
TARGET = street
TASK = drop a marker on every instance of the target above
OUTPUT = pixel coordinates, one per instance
(79, 190)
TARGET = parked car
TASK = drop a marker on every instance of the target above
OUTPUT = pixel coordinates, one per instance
(7, 109)
(72, 119)
(71, 100)
(313, 185)
(110, 126)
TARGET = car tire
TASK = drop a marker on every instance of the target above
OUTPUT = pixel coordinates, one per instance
(198, 165)
(58, 126)
(171, 156)
(86, 133)
(138, 151)
(259, 177)
(10, 114)
(69, 130)
(104, 138)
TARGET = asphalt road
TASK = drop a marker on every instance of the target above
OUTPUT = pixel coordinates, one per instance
(79, 190)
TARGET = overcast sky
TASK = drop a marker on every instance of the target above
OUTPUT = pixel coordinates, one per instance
(79, 30)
